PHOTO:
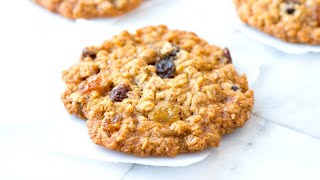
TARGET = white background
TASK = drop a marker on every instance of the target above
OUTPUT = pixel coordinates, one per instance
(281, 141)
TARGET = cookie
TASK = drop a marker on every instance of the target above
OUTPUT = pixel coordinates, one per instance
(157, 92)
(294, 21)
(89, 8)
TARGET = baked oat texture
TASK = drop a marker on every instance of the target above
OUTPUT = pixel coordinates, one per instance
(133, 106)
(74, 9)
(295, 21)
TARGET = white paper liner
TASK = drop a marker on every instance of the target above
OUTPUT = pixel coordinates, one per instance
(70, 137)
(269, 40)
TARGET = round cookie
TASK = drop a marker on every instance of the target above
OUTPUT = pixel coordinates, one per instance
(157, 92)
(295, 21)
(89, 8)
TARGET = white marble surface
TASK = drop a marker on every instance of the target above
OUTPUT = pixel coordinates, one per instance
(281, 141)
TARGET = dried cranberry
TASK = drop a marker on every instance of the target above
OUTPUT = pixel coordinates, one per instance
(119, 93)
(165, 68)
(226, 54)
(88, 53)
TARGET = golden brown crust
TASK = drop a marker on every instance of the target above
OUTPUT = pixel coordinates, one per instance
(74, 9)
(295, 21)
(133, 109)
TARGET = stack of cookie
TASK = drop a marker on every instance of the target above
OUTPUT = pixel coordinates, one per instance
(157, 92)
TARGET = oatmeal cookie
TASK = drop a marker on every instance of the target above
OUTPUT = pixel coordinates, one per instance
(295, 21)
(157, 92)
(89, 8)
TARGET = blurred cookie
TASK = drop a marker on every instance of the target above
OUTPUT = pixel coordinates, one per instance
(157, 92)
(89, 8)
(295, 21)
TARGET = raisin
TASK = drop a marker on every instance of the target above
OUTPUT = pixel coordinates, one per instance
(165, 113)
(226, 54)
(172, 55)
(290, 10)
(165, 68)
(88, 53)
(119, 93)
(235, 88)
(293, 2)
(91, 85)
